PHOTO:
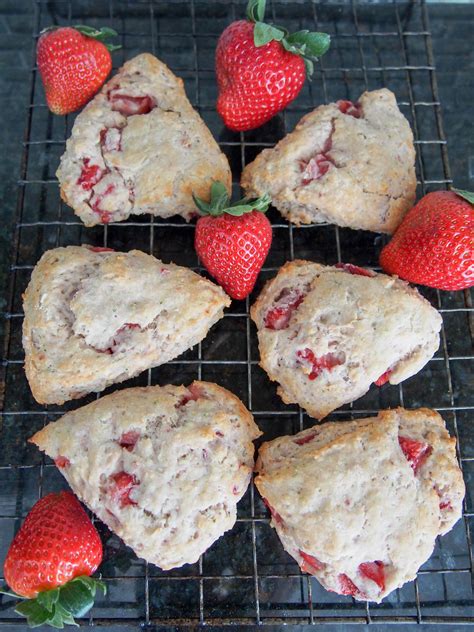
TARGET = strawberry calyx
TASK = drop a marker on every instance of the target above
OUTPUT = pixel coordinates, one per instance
(308, 45)
(60, 605)
(220, 203)
(466, 195)
(101, 35)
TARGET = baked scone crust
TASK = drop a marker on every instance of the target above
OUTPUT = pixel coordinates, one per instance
(345, 494)
(363, 325)
(94, 318)
(148, 163)
(184, 457)
(369, 179)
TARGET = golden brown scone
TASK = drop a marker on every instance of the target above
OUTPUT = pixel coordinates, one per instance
(359, 504)
(139, 147)
(346, 164)
(325, 334)
(95, 317)
(162, 466)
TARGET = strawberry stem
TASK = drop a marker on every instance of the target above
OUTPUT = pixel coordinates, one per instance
(308, 45)
(220, 203)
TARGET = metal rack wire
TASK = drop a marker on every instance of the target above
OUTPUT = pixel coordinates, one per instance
(245, 578)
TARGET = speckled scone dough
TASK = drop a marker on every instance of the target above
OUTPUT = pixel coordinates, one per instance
(326, 333)
(139, 147)
(93, 318)
(162, 466)
(359, 504)
(346, 164)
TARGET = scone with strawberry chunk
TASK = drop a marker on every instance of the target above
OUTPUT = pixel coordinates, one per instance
(327, 333)
(94, 317)
(139, 147)
(359, 504)
(347, 164)
(162, 466)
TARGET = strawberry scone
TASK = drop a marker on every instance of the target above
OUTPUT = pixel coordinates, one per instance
(327, 333)
(94, 317)
(359, 504)
(162, 466)
(139, 147)
(350, 164)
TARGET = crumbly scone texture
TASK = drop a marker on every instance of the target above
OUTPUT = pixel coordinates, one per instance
(336, 168)
(118, 162)
(96, 318)
(342, 332)
(345, 495)
(162, 466)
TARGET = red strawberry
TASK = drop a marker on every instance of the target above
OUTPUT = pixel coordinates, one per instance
(50, 560)
(261, 68)
(434, 243)
(233, 240)
(73, 63)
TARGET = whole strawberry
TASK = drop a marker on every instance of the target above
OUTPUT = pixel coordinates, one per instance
(233, 241)
(73, 63)
(50, 560)
(434, 244)
(261, 68)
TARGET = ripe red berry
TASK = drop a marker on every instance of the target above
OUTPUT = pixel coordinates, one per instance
(434, 243)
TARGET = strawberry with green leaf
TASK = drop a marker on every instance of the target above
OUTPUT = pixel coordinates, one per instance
(261, 68)
(73, 62)
(233, 240)
(50, 561)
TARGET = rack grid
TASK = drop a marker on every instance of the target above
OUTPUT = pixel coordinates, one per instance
(245, 578)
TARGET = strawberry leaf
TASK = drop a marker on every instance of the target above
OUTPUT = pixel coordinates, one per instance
(35, 614)
(48, 598)
(219, 203)
(310, 44)
(256, 10)
(219, 196)
(264, 33)
(467, 195)
(101, 35)
(76, 598)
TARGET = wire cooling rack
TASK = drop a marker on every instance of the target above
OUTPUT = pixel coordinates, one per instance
(245, 578)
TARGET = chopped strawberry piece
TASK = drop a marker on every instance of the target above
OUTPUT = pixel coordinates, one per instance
(352, 269)
(384, 378)
(306, 439)
(315, 168)
(275, 515)
(416, 452)
(122, 485)
(62, 461)
(310, 564)
(90, 175)
(347, 586)
(285, 304)
(111, 139)
(129, 439)
(318, 365)
(129, 106)
(375, 572)
(352, 109)
(100, 249)
(445, 504)
(193, 394)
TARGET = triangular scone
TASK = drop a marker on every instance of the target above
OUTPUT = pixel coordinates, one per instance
(346, 164)
(94, 317)
(139, 147)
(162, 466)
(327, 333)
(359, 504)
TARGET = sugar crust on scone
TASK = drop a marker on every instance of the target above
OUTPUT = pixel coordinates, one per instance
(162, 466)
(356, 327)
(117, 164)
(351, 508)
(353, 170)
(96, 318)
